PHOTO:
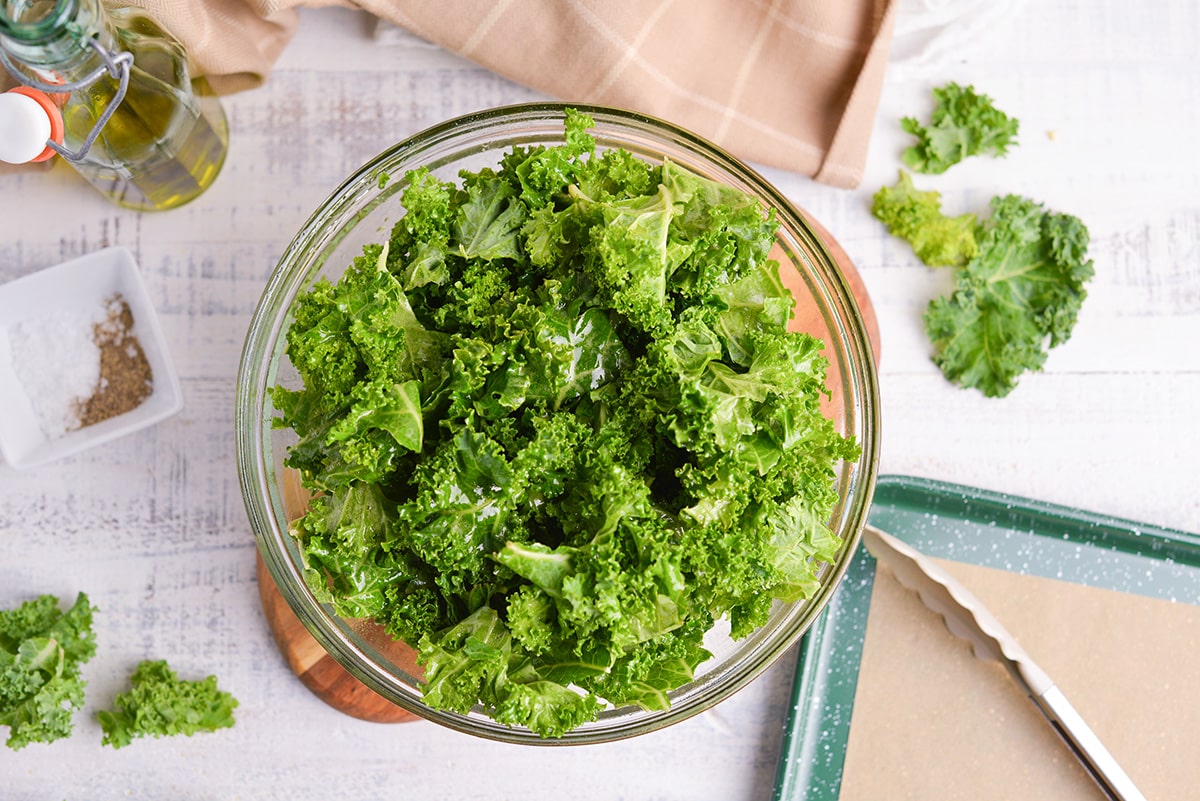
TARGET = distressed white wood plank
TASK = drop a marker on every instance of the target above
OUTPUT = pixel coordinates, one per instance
(154, 528)
(1113, 443)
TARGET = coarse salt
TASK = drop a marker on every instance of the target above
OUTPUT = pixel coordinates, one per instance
(56, 359)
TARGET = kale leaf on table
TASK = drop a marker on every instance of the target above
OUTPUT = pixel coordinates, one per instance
(1020, 278)
(556, 427)
(916, 216)
(1018, 297)
(963, 123)
(1020, 275)
(42, 650)
(160, 704)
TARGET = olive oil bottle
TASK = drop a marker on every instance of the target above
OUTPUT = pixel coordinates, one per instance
(140, 130)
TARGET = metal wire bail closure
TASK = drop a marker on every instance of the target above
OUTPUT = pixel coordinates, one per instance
(116, 65)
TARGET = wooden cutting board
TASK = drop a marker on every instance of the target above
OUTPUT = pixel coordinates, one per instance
(333, 684)
(315, 668)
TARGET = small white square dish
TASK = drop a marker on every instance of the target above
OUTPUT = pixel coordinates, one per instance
(74, 292)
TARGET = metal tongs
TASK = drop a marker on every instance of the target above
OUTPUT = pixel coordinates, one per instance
(967, 618)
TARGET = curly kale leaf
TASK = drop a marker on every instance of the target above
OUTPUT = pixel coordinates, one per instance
(621, 588)
(542, 173)
(719, 233)
(489, 222)
(41, 652)
(651, 254)
(1018, 297)
(343, 539)
(369, 367)
(916, 216)
(420, 239)
(650, 671)
(964, 123)
(473, 662)
(160, 704)
(622, 244)
(384, 407)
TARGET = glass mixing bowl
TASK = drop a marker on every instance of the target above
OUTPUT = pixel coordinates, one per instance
(361, 211)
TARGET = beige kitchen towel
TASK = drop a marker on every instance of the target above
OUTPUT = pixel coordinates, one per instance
(792, 84)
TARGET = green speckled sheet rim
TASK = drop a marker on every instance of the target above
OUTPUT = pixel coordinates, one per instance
(978, 527)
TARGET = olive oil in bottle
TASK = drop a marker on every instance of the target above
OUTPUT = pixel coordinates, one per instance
(166, 135)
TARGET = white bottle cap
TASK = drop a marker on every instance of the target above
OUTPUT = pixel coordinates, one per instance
(25, 127)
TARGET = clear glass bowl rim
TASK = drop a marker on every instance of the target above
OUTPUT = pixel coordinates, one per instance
(296, 267)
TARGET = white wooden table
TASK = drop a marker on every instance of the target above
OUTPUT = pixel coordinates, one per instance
(153, 526)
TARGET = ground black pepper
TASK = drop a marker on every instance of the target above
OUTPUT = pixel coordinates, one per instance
(126, 379)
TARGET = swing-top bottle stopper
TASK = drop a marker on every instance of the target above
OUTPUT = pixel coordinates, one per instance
(29, 121)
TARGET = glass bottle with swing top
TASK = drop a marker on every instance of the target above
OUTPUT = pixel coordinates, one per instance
(131, 119)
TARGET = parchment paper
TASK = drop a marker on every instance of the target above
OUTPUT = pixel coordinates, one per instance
(932, 722)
